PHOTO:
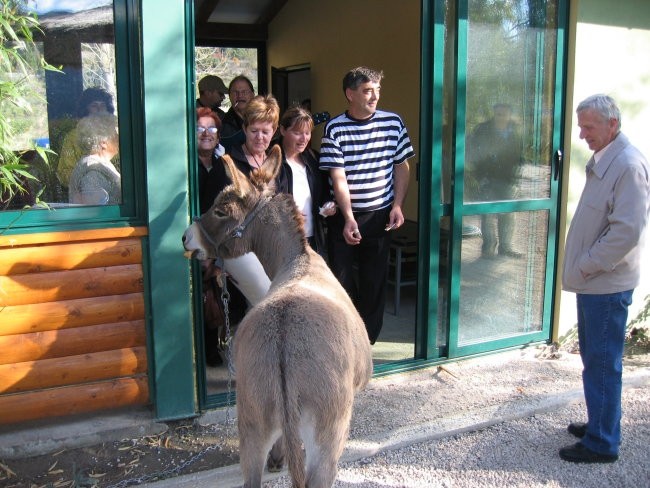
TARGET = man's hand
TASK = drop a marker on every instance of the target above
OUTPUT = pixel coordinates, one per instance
(351, 233)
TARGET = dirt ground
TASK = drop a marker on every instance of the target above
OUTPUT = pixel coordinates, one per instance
(185, 447)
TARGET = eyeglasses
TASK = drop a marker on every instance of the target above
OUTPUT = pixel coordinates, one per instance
(211, 130)
(242, 93)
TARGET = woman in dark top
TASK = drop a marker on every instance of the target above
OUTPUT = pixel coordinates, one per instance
(212, 180)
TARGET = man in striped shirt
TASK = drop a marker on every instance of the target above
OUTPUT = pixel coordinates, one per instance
(366, 152)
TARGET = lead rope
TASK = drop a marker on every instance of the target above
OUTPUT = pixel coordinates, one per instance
(225, 298)
(161, 475)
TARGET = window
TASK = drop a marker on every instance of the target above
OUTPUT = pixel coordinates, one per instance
(75, 115)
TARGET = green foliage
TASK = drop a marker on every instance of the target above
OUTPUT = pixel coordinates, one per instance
(637, 335)
(19, 59)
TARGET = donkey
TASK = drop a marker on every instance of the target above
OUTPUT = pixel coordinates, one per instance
(303, 351)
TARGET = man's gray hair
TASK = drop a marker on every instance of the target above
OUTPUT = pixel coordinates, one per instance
(357, 76)
(604, 105)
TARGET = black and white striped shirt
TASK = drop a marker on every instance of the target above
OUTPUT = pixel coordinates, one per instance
(367, 150)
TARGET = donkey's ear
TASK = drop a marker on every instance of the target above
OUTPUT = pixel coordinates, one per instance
(239, 180)
(272, 164)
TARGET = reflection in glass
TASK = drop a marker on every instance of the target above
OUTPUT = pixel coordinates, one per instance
(493, 157)
(80, 40)
(502, 295)
(95, 180)
(509, 100)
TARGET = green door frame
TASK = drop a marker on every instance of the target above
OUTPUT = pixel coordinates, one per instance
(168, 144)
(461, 209)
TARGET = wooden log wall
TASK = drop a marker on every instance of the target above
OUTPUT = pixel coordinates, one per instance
(72, 323)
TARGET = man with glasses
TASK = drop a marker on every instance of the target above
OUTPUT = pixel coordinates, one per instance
(240, 92)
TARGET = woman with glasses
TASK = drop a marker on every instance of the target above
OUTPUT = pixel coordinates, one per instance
(240, 91)
(212, 180)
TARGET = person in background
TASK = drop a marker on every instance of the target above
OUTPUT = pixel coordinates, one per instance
(240, 91)
(95, 180)
(300, 176)
(259, 123)
(366, 152)
(602, 266)
(494, 160)
(212, 180)
(212, 93)
(93, 101)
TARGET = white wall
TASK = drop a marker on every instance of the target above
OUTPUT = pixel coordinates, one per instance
(614, 61)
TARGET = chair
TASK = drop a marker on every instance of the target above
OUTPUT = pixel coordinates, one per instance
(402, 260)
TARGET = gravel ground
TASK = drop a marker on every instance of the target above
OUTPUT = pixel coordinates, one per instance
(488, 422)
(517, 453)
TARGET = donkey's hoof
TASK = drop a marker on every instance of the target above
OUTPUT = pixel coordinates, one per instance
(274, 465)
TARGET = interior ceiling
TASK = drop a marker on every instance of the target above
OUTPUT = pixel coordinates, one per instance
(239, 20)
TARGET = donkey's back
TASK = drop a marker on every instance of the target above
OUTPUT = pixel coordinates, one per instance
(300, 355)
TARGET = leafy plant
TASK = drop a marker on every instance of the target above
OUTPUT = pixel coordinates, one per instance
(637, 334)
(19, 57)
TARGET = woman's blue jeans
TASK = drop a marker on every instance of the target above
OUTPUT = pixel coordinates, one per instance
(601, 335)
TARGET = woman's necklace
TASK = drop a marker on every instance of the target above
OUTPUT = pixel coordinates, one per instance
(258, 164)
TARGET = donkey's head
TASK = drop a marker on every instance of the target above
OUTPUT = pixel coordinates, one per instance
(222, 230)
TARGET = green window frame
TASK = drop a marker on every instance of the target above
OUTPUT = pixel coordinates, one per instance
(132, 210)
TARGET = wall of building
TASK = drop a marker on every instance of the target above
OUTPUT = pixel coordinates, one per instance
(611, 49)
(337, 35)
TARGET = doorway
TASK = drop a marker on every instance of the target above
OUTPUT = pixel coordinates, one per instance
(477, 259)
(501, 99)
(291, 86)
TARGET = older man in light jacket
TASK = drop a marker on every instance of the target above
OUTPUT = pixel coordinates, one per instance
(602, 266)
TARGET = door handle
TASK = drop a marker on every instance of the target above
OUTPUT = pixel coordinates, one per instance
(557, 164)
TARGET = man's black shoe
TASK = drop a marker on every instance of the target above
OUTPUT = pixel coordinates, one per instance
(577, 429)
(577, 453)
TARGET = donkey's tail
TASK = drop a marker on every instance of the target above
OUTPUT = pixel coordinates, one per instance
(291, 430)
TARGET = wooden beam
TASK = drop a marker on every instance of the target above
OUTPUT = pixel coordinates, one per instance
(55, 286)
(70, 236)
(21, 319)
(36, 346)
(76, 255)
(213, 32)
(70, 400)
(72, 370)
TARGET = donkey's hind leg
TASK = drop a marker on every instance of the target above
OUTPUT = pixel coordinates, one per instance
(275, 461)
(323, 448)
(253, 451)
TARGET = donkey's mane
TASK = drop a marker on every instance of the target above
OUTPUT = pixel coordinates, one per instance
(287, 206)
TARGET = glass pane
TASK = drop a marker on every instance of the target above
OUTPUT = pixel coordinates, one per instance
(502, 294)
(509, 100)
(73, 110)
